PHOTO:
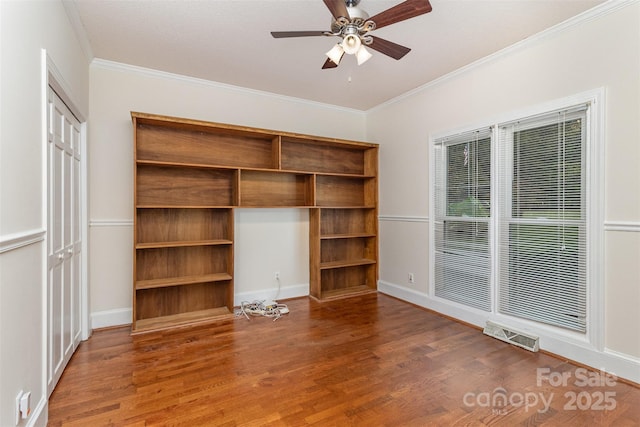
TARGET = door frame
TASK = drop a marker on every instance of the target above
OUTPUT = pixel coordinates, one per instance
(52, 77)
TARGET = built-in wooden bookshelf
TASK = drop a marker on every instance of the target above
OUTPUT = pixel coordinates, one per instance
(190, 175)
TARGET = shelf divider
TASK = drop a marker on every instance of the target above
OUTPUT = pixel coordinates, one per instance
(182, 281)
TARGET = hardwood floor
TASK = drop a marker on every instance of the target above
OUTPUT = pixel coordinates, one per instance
(364, 361)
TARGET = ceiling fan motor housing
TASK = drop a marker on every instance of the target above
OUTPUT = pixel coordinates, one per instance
(354, 25)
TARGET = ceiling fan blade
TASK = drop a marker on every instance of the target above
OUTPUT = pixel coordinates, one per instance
(400, 12)
(329, 64)
(282, 34)
(337, 8)
(391, 49)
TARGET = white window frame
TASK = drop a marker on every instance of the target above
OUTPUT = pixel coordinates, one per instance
(444, 216)
(505, 174)
(553, 338)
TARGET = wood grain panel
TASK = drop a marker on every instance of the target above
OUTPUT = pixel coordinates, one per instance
(305, 156)
(162, 263)
(164, 282)
(173, 225)
(204, 146)
(191, 317)
(371, 162)
(347, 249)
(179, 187)
(315, 288)
(340, 191)
(334, 279)
(272, 189)
(158, 302)
(348, 221)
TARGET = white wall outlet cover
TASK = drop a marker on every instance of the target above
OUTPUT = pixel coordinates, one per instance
(25, 405)
(18, 399)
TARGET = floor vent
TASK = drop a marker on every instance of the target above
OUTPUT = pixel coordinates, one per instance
(521, 339)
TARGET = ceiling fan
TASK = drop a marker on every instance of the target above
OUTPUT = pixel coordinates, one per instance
(353, 25)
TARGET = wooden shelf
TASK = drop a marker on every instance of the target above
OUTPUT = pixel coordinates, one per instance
(348, 220)
(346, 236)
(343, 191)
(345, 206)
(191, 317)
(178, 244)
(170, 141)
(181, 281)
(173, 206)
(275, 189)
(178, 187)
(346, 263)
(309, 155)
(189, 175)
(231, 168)
(347, 292)
(345, 278)
(183, 165)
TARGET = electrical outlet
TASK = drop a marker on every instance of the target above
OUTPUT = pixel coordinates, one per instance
(25, 405)
(412, 278)
(276, 275)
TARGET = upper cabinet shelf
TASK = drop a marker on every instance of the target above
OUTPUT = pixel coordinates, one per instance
(328, 158)
(191, 144)
(162, 186)
(166, 141)
(275, 189)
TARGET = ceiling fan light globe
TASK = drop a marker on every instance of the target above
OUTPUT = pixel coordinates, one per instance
(363, 55)
(351, 44)
(335, 54)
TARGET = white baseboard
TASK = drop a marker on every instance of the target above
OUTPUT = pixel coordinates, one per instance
(107, 318)
(624, 363)
(122, 316)
(619, 364)
(40, 415)
(454, 310)
(286, 292)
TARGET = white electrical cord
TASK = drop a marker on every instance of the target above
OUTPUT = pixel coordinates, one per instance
(262, 308)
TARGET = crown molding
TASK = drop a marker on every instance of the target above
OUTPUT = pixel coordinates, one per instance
(149, 72)
(586, 16)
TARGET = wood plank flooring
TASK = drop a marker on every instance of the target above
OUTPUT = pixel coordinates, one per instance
(370, 360)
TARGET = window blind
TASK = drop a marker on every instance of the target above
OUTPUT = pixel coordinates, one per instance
(542, 220)
(462, 216)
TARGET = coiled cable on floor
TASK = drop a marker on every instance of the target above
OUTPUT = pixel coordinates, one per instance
(262, 308)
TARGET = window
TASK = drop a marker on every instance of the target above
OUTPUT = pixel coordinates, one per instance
(542, 221)
(463, 211)
(510, 237)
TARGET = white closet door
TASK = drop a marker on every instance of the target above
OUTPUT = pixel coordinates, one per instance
(64, 248)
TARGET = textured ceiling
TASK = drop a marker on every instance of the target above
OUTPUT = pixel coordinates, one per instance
(228, 41)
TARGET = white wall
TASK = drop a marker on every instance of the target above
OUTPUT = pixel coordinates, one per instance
(25, 29)
(266, 240)
(602, 50)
